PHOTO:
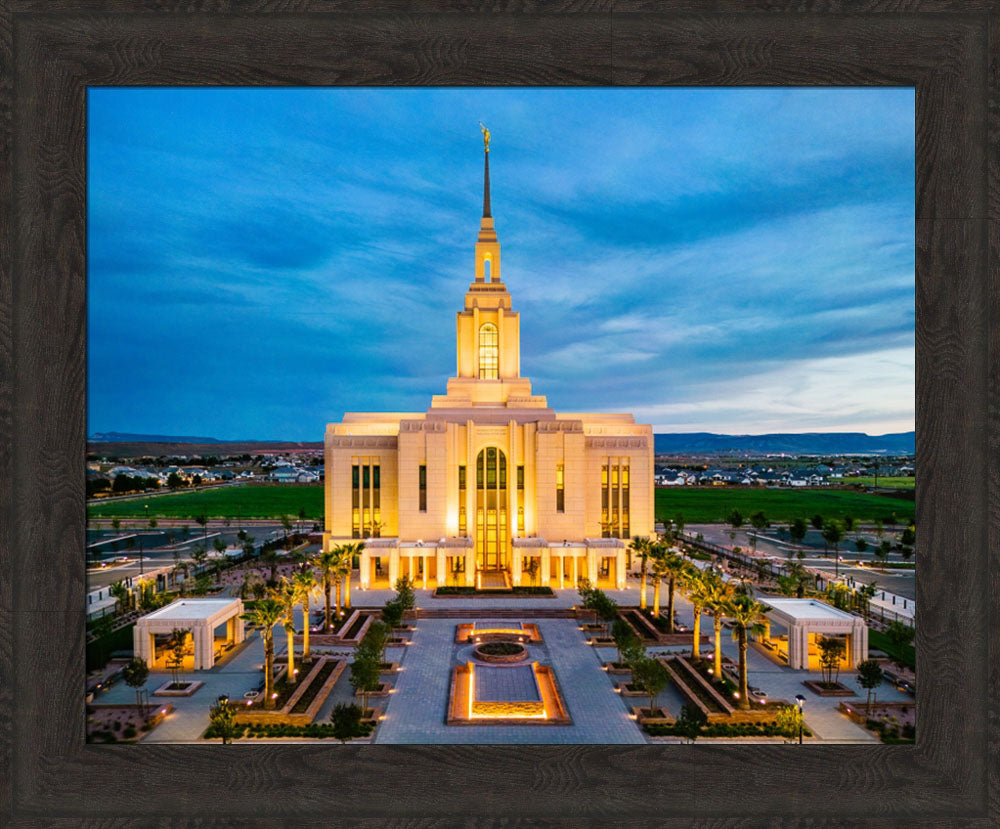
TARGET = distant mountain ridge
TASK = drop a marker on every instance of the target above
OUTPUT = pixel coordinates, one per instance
(806, 443)
(126, 437)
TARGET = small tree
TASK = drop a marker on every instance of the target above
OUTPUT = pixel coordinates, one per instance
(882, 553)
(651, 676)
(817, 521)
(375, 640)
(908, 537)
(759, 522)
(177, 645)
(135, 673)
(735, 519)
(346, 719)
(392, 614)
(797, 530)
(404, 593)
(870, 677)
(624, 636)
(222, 716)
(899, 635)
(831, 649)
(365, 672)
(860, 545)
(691, 721)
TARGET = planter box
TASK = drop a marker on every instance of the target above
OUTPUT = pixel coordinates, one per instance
(611, 669)
(660, 715)
(625, 692)
(818, 689)
(383, 691)
(186, 692)
(393, 668)
(602, 641)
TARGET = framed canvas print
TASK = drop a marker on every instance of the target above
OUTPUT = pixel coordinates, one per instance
(314, 496)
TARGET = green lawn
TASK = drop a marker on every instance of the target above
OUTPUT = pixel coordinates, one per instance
(711, 505)
(907, 654)
(888, 483)
(227, 502)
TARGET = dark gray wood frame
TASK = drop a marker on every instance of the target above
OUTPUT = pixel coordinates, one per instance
(52, 50)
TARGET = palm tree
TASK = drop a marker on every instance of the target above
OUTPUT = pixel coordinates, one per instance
(350, 551)
(746, 615)
(327, 563)
(287, 596)
(699, 592)
(305, 583)
(720, 593)
(119, 592)
(266, 614)
(641, 547)
(675, 566)
(660, 556)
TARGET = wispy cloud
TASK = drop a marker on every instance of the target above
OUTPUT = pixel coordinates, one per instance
(261, 261)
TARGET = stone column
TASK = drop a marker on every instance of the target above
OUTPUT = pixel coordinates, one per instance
(515, 565)
(576, 570)
(592, 565)
(238, 633)
(393, 565)
(424, 560)
(470, 566)
(621, 579)
(562, 569)
(440, 568)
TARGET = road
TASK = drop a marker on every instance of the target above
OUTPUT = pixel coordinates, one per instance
(900, 582)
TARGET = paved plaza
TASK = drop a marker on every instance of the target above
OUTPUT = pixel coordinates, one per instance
(415, 710)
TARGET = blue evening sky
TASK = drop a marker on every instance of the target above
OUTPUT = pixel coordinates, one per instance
(724, 260)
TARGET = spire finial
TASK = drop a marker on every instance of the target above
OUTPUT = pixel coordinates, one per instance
(486, 173)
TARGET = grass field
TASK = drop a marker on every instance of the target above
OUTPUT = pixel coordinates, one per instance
(697, 505)
(713, 505)
(889, 483)
(227, 502)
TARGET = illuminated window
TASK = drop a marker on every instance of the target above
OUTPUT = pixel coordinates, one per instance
(366, 516)
(560, 489)
(520, 477)
(489, 352)
(461, 477)
(520, 519)
(423, 488)
(463, 526)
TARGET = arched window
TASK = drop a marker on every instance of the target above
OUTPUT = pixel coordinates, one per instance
(489, 352)
(487, 269)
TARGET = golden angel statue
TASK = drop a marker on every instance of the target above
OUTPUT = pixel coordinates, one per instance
(486, 134)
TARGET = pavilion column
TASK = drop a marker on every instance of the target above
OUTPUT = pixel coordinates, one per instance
(238, 632)
(546, 572)
(576, 568)
(592, 565)
(439, 567)
(562, 570)
(365, 569)
(621, 581)
(424, 560)
(515, 566)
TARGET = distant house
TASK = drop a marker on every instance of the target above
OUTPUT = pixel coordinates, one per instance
(293, 475)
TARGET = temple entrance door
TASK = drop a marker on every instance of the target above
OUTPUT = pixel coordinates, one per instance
(491, 510)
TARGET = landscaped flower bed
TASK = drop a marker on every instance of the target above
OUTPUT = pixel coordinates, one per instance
(523, 590)
(746, 729)
(321, 731)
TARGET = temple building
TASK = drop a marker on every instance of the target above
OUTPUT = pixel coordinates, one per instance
(489, 487)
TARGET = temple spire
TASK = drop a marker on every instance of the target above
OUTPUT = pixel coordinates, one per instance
(486, 172)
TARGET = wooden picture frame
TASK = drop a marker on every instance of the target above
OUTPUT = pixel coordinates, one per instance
(52, 50)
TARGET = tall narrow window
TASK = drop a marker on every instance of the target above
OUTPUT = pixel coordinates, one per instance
(605, 516)
(461, 477)
(625, 527)
(560, 489)
(462, 521)
(489, 352)
(520, 519)
(355, 501)
(520, 477)
(423, 488)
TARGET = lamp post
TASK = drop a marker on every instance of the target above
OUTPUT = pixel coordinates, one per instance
(800, 701)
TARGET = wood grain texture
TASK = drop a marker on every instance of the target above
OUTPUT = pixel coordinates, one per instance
(61, 46)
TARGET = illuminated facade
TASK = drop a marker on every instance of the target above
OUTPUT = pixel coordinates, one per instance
(489, 486)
